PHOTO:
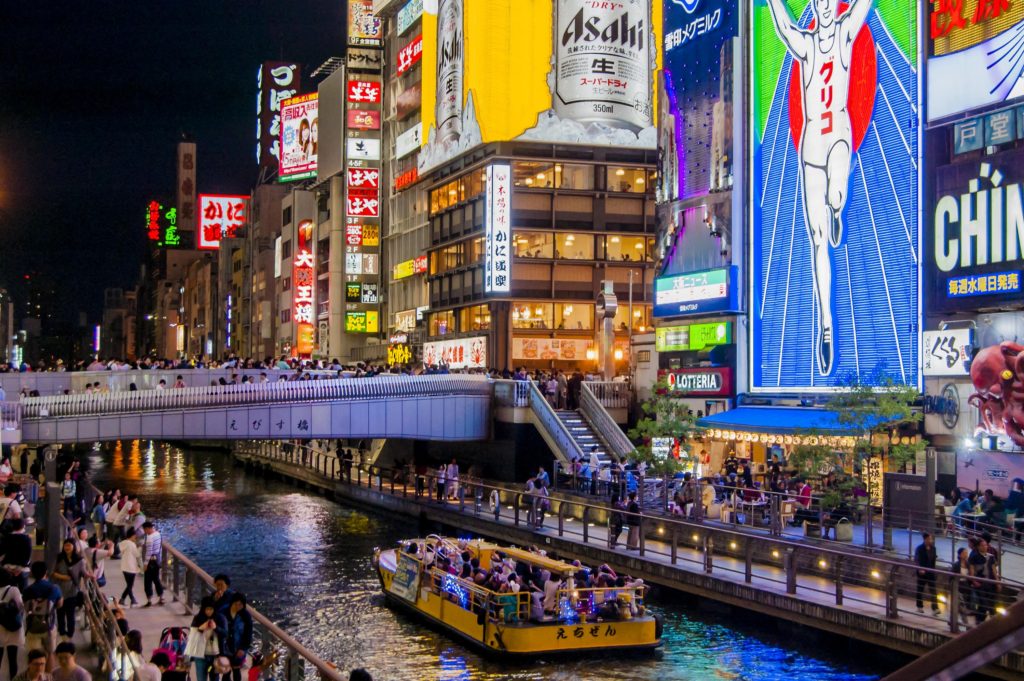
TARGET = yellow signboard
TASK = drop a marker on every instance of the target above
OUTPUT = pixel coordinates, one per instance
(564, 71)
(371, 235)
(403, 270)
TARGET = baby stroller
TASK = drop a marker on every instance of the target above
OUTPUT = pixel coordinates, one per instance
(172, 644)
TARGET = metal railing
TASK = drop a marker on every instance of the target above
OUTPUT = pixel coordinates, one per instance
(509, 393)
(601, 422)
(830, 575)
(188, 583)
(548, 422)
(610, 394)
(379, 387)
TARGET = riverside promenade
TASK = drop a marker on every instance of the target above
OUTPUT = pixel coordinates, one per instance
(865, 597)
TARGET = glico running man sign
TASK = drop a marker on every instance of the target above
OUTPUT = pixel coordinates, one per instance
(835, 191)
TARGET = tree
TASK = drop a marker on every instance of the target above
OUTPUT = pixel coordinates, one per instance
(663, 416)
(873, 409)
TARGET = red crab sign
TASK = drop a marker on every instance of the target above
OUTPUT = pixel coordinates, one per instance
(997, 373)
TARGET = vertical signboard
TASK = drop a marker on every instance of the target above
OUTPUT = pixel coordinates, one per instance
(300, 126)
(220, 217)
(834, 276)
(275, 82)
(363, 27)
(186, 187)
(304, 287)
(697, 135)
(498, 229)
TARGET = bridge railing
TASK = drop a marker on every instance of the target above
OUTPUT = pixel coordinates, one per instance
(876, 586)
(379, 387)
(595, 410)
(509, 393)
(10, 415)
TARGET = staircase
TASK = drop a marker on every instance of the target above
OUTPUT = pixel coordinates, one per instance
(583, 435)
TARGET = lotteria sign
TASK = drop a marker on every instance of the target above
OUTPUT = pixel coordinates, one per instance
(976, 235)
(696, 293)
(700, 381)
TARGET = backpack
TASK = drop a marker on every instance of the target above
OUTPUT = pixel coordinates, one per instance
(40, 615)
(10, 614)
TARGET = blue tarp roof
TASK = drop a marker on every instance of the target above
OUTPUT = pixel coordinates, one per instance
(781, 420)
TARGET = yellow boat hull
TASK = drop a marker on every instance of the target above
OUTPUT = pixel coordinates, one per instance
(527, 638)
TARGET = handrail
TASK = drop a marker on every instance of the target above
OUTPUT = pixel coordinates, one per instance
(94, 404)
(614, 394)
(327, 670)
(509, 393)
(603, 424)
(833, 565)
(547, 419)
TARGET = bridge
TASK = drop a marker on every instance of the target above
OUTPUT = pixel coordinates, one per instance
(436, 407)
(448, 407)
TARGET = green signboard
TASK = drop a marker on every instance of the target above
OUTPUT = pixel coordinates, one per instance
(692, 336)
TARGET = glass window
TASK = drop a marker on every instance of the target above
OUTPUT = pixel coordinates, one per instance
(476, 318)
(623, 248)
(442, 323)
(572, 246)
(476, 251)
(574, 316)
(621, 179)
(533, 244)
(574, 176)
(533, 174)
(447, 258)
(641, 317)
(532, 315)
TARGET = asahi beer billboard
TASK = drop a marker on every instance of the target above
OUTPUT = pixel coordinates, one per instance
(563, 71)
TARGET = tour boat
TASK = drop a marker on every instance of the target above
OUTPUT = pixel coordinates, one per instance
(584, 620)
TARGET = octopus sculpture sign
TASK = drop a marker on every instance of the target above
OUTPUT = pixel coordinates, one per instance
(997, 373)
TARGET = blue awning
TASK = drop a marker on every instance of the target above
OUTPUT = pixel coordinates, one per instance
(780, 420)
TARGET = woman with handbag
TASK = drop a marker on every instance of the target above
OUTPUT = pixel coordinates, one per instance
(12, 630)
(206, 639)
(97, 554)
(67, 575)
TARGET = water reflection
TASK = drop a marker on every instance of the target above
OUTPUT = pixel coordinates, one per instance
(305, 562)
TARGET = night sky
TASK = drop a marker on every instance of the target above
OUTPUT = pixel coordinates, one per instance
(94, 96)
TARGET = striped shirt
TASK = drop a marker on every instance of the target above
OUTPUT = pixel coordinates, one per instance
(151, 545)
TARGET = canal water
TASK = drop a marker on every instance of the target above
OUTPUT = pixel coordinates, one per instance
(304, 561)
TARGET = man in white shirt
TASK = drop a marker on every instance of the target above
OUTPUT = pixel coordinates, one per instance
(151, 554)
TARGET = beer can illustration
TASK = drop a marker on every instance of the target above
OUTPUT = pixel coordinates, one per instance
(450, 64)
(603, 67)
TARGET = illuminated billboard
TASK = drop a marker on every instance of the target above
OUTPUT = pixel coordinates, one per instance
(834, 268)
(560, 71)
(498, 229)
(162, 224)
(459, 353)
(299, 128)
(220, 217)
(697, 126)
(679, 295)
(974, 233)
(363, 27)
(304, 285)
(276, 82)
(973, 55)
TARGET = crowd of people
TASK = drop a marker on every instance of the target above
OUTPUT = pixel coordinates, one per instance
(511, 576)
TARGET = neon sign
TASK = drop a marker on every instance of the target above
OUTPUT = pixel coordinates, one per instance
(303, 281)
(220, 217)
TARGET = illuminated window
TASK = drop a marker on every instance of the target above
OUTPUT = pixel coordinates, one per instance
(447, 258)
(574, 246)
(476, 318)
(452, 193)
(641, 316)
(533, 244)
(532, 316)
(533, 174)
(624, 179)
(574, 176)
(623, 248)
(574, 316)
(442, 323)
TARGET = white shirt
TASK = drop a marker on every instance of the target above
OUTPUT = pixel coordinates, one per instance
(131, 558)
